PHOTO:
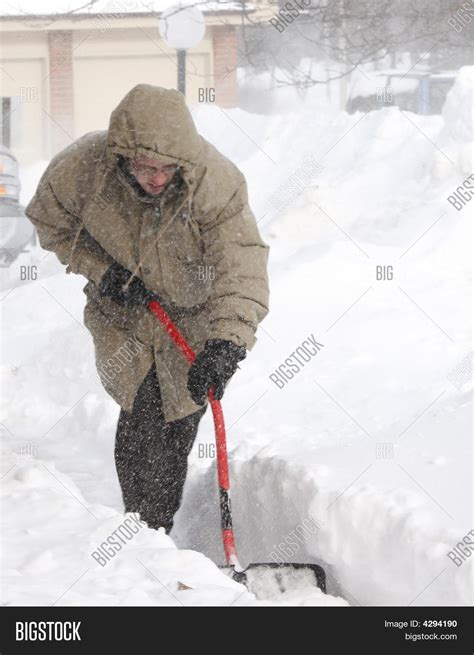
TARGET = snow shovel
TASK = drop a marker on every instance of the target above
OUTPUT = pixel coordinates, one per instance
(259, 578)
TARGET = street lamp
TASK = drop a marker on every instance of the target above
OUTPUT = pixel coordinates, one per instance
(182, 27)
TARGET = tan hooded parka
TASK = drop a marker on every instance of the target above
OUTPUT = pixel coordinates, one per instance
(196, 245)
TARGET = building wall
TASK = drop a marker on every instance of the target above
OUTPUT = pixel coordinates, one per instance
(65, 82)
(24, 78)
(107, 66)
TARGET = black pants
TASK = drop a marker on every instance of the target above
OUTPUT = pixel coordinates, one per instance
(151, 456)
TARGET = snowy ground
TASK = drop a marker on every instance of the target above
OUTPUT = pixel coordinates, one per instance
(362, 461)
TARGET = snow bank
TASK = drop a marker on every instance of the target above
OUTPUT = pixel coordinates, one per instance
(456, 137)
(58, 549)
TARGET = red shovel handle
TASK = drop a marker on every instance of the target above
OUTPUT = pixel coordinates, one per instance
(222, 463)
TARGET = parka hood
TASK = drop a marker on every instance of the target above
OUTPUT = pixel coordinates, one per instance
(154, 122)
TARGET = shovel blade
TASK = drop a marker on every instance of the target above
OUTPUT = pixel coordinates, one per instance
(271, 579)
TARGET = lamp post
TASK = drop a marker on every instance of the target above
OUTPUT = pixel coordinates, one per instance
(182, 28)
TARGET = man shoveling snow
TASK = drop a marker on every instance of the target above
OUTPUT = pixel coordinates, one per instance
(149, 207)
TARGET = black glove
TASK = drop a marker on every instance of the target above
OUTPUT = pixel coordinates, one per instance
(213, 366)
(113, 281)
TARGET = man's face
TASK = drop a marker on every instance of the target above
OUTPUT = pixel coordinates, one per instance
(152, 175)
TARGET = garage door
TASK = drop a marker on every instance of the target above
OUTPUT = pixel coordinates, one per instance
(100, 82)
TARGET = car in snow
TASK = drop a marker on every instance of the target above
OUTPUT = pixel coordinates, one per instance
(16, 230)
(421, 92)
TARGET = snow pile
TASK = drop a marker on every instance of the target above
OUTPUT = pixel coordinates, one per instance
(370, 173)
(456, 137)
(58, 549)
(359, 461)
